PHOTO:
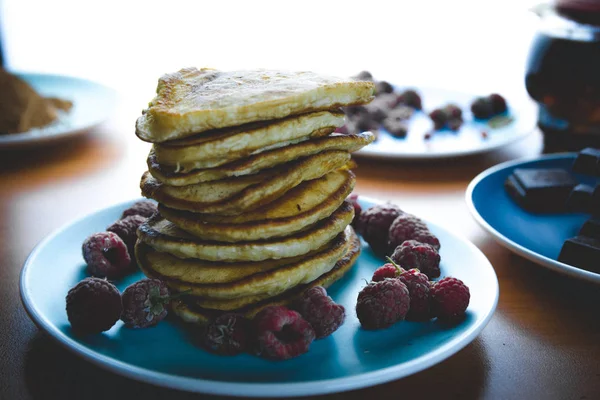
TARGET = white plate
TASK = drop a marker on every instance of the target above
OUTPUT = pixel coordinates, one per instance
(92, 105)
(351, 358)
(445, 143)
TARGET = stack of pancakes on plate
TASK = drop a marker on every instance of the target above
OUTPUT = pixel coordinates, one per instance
(251, 182)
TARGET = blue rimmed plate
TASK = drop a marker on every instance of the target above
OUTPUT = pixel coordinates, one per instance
(92, 104)
(166, 355)
(537, 237)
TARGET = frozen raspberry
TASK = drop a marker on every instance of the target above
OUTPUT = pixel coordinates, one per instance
(382, 87)
(411, 99)
(144, 303)
(449, 299)
(282, 333)
(227, 334)
(409, 227)
(353, 198)
(106, 255)
(126, 228)
(321, 312)
(381, 304)
(418, 288)
(482, 108)
(374, 224)
(414, 254)
(498, 103)
(93, 306)
(389, 270)
(144, 208)
(363, 76)
(439, 118)
(454, 124)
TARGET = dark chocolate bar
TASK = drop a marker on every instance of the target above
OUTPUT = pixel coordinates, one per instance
(587, 162)
(580, 199)
(540, 190)
(582, 252)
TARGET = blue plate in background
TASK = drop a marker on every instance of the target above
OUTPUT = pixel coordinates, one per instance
(166, 355)
(537, 237)
(92, 105)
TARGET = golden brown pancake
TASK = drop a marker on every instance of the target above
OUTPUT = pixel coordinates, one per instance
(260, 161)
(188, 310)
(164, 236)
(179, 274)
(192, 101)
(297, 209)
(233, 196)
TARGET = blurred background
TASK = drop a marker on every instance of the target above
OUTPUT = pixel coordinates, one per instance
(473, 45)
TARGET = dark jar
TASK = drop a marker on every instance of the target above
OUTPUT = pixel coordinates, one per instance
(563, 75)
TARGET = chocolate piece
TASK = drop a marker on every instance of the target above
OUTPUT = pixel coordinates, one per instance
(540, 190)
(591, 228)
(582, 252)
(580, 199)
(587, 162)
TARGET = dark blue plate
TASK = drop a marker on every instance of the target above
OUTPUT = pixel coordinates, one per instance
(537, 237)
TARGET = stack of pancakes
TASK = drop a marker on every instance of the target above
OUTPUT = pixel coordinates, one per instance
(251, 182)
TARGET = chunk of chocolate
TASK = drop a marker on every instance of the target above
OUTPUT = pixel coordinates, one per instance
(587, 162)
(591, 228)
(540, 190)
(580, 199)
(581, 252)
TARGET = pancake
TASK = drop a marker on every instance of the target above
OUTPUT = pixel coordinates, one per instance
(211, 150)
(233, 196)
(259, 161)
(297, 209)
(192, 101)
(164, 236)
(178, 274)
(188, 310)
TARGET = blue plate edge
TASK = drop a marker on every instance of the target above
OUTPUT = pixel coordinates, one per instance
(251, 389)
(539, 259)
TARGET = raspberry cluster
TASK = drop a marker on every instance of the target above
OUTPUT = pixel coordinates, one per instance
(110, 254)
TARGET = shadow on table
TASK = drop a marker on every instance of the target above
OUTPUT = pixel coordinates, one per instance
(52, 372)
(67, 157)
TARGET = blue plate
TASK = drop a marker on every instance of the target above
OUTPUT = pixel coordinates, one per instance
(537, 237)
(468, 140)
(166, 355)
(92, 105)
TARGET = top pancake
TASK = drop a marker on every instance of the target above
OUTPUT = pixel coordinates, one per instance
(192, 101)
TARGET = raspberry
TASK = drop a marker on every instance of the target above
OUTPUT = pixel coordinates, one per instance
(342, 130)
(418, 288)
(482, 108)
(144, 303)
(414, 254)
(382, 87)
(106, 255)
(144, 208)
(439, 118)
(353, 198)
(227, 334)
(498, 103)
(389, 270)
(411, 99)
(381, 304)
(282, 333)
(374, 225)
(363, 76)
(320, 311)
(93, 306)
(126, 229)
(449, 299)
(409, 227)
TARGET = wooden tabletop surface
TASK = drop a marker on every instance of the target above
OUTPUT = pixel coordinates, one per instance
(542, 343)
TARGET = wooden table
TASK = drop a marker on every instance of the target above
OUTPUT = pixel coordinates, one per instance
(542, 343)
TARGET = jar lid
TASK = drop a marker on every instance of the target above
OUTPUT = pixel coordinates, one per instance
(583, 11)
